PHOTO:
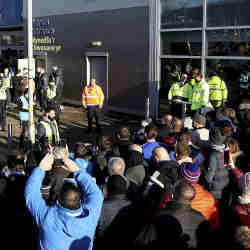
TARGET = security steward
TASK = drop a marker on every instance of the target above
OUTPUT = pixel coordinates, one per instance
(179, 92)
(3, 103)
(51, 99)
(217, 91)
(200, 94)
(92, 100)
(47, 130)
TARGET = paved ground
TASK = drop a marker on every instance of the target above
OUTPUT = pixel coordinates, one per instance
(73, 126)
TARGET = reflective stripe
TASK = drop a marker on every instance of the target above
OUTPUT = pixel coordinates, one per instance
(49, 133)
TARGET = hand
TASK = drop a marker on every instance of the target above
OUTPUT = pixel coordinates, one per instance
(47, 162)
(84, 106)
(70, 166)
(62, 153)
(100, 106)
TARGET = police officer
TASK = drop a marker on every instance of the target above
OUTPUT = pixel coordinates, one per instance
(217, 90)
(47, 130)
(3, 102)
(7, 82)
(200, 93)
(92, 100)
(179, 92)
(57, 77)
(42, 85)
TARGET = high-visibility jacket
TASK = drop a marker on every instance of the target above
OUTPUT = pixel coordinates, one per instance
(6, 82)
(200, 96)
(49, 132)
(92, 96)
(217, 91)
(177, 92)
(51, 93)
(3, 93)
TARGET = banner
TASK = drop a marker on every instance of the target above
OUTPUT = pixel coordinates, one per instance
(11, 12)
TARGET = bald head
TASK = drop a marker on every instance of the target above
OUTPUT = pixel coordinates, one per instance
(160, 154)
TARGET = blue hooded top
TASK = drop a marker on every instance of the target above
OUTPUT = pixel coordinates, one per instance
(61, 228)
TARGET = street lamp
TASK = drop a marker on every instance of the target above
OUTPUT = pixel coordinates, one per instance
(30, 77)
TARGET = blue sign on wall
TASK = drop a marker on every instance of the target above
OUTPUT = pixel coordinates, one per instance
(11, 12)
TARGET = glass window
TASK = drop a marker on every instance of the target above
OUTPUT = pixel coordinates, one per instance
(228, 42)
(235, 73)
(181, 14)
(228, 12)
(181, 43)
(171, 69)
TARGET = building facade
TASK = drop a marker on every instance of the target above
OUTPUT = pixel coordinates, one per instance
(142, 44)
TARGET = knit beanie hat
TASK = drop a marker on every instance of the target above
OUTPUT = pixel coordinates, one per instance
(216, 136)
(245, 183)
(116, 185)
(190, 171)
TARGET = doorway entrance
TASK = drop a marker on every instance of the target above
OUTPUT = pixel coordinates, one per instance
(98, 66)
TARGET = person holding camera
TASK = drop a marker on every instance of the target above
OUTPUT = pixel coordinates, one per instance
(72, 221)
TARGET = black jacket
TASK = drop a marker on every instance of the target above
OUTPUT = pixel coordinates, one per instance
(43, 81)
(57, 77)
(178, 226)
(216, 174)
(111, 207)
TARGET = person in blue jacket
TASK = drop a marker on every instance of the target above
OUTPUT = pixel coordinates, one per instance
(72, 221)
(23, 104)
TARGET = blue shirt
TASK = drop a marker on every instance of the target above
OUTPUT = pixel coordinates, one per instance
(61, 228)
(148, 148)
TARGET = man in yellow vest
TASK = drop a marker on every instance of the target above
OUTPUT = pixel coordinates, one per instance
(179, 93)
(217, 91)
(92, 100)
(200, 93)
(51, 99)
(47, 131)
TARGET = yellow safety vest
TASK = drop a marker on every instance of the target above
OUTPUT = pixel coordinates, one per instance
(49, 133)
(3, 94)
(217, 91)
(199, 99)
(51, 93)
(181, 93)
(6, 82)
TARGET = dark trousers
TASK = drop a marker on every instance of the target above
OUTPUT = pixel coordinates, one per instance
(42, 98)
(178, 110)
(59, 91)
(93, 112)
(3, 113)
(25, 127)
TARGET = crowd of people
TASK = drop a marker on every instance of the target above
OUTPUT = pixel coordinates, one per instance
(182, 183)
